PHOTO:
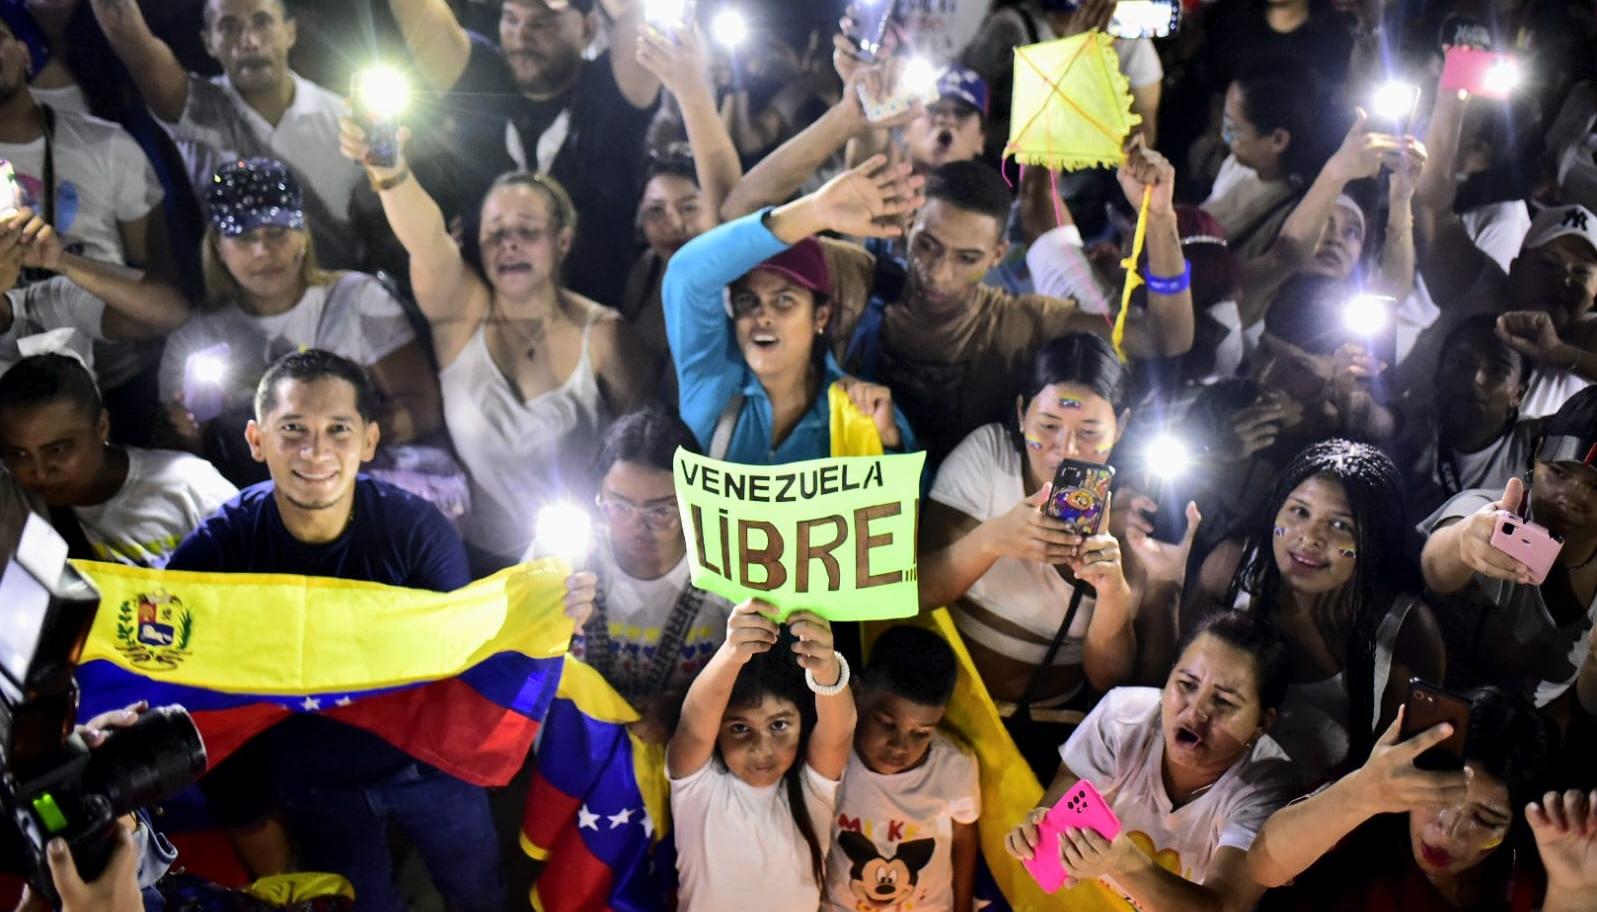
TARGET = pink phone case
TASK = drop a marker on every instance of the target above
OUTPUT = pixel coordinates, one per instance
(1467, 68)
(1082, 808)
(1528, 543)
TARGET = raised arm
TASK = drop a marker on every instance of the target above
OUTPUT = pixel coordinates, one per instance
(138, 306)
(156, 71)
(438, 43)
(679, 64)
(748, 631)
(1168, 328)
(1109, 655)
(1455, 552)
(1448, 259)
(1296, 836)
(1396, 276)
(834, 713)
(449, 293)
(638, 84)
(959, 549)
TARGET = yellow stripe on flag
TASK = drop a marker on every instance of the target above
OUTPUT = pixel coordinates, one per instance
(854, 433)
(278, 634)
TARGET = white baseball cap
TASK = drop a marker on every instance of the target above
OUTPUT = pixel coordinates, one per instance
(1556, 221)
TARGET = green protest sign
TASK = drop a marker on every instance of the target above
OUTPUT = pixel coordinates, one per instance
(834, 536)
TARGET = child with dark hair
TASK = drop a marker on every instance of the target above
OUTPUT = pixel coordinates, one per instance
(755, 762)
(111, 503)
(906, 813)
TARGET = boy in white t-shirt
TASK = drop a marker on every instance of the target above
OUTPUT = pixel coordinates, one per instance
(905, 829)
(111, 503)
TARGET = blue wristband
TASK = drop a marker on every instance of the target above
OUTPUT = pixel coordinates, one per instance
(1173, 285)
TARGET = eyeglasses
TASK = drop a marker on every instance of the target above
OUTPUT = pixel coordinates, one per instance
(657, 518)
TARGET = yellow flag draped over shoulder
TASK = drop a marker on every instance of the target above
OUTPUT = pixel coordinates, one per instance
(278, 634)
(1071, 104)
(1009, 789)
(854, 433)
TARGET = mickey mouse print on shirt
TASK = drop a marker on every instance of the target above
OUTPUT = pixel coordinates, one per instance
(884, 884)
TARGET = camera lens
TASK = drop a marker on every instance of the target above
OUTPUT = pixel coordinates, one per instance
(161, 755)
(1508, 528)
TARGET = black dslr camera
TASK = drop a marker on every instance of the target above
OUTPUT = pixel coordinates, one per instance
(51, 785)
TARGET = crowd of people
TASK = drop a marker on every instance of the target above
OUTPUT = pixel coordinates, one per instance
(247, 327)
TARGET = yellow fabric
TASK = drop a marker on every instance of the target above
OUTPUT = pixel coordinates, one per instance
(1009, 789)
(1071, 104)
(1133, 278)
(854, 433)
(277, 634)
(287, 889)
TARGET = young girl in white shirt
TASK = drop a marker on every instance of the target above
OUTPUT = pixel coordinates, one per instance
(755, 764)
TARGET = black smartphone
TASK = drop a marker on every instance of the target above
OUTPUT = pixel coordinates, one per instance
(871, 18)
(1080, 495)
(368, 99)
(1428, 706)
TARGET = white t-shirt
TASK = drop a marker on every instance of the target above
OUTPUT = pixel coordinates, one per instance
(1120, 750)
(101, 178)
(354, 316)
(737, 845)
(166, 496)
(637, 611)
(218, 125)
(982, 479)
(1548, 390)
(1499, 230)
(892, 838)
(69, 97)
(56, 303)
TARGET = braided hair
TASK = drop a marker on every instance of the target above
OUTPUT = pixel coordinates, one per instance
(1374, 494)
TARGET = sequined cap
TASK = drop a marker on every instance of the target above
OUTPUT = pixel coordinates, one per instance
(249, 193)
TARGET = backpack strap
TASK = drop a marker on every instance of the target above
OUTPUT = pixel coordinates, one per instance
(721, 440)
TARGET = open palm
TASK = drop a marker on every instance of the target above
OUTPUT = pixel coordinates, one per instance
(870, 200)
(1565, 826)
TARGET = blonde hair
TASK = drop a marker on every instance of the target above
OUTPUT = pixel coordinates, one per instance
(221, 289)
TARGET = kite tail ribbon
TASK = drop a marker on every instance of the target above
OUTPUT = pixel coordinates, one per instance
(1118, 336)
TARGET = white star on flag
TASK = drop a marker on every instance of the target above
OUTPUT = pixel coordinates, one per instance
(588, 819)
(620, 817)
(311, 703)
(342, 701)
(648, 824)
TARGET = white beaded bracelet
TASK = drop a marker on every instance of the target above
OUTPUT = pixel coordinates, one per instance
(831, 690)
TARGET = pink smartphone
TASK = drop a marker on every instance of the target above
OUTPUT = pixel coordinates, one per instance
(1528, 543)
(1485, 73)
(1082, 808)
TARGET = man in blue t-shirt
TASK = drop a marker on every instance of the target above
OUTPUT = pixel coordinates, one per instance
(340, 787)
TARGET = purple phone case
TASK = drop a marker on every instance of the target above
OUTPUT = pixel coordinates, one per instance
(1079, 504)
(1082, 808)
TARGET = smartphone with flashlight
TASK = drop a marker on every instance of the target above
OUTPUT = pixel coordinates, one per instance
(378, 96)
(914, 81)
(1487, 74)
(10, 190)
(1530, 544)
(670, 17)
(204, 392)
(1428, 706)
(872, 18)
(1135, 19)
(1079, 496)
(1393, 107)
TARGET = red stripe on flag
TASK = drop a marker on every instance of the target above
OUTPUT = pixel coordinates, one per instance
(226, 730)
(575, 880)
(549, 813)
(451, 726)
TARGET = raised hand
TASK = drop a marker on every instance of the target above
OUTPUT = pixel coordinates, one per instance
(1475, 546)
(1565, 827)
(1146, 168)
(814, 647)
(1098, 561)
(1390, 783)
(30, 238)
(676, 59)
(1532, 334)
(1362, 151)
(1022, 840)
(352, 142)
(1161, 561)
(875, 400)
(582, 595)
(869, 200)
(1027, 533)
(750, 631)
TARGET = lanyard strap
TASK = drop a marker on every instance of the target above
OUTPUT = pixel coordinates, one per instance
(1023, 707)
(47, 118)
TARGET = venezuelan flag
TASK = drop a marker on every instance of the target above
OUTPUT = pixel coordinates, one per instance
(460, 680)
(597, 811)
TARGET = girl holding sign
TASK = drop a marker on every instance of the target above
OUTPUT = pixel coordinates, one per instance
(747, 309)
(755, 764)
(1043, 611)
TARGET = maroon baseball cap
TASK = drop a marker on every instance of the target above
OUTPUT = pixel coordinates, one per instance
(803, 264)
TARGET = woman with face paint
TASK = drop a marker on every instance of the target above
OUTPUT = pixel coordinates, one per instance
(1042, 610)
(1323, 561)
(1390, 836)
